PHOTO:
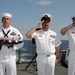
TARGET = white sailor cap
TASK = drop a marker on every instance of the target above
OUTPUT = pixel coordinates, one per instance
(73, 16)
(6, 14)
(49, 15)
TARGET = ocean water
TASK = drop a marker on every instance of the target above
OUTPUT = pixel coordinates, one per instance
(64, 45)
(28, 51)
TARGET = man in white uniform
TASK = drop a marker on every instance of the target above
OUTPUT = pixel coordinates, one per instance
(70, 31)
(47, 44)
(7, 51)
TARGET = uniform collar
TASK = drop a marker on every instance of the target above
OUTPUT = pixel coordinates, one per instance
(45, 31)
(7, 28)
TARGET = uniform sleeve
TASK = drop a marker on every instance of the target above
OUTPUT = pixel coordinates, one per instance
(57, 41)
(34, 35)
(19, 37)
(67, 32)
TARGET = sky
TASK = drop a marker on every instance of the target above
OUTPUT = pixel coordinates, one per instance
(27, 13)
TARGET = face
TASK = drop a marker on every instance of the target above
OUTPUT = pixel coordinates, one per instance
(6, 21)
(45, 25)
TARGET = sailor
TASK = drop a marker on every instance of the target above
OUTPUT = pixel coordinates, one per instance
(7, 51)
(70, 31)
(47, 45)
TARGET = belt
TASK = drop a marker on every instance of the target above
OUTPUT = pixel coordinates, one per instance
(50, 54)
(47, 55)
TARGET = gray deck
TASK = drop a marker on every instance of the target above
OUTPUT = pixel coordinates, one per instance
(59, 70)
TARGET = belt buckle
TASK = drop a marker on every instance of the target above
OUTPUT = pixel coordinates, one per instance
(48, 55)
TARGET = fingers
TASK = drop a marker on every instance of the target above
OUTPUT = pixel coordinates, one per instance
(7, 38)
(41, 22)
(56, 61)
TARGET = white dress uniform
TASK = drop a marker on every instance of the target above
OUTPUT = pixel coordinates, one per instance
(45, 49)
(71, 59)
(8, 55)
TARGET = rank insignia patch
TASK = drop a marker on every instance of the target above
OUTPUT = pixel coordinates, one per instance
(13, 33)
(52, 36)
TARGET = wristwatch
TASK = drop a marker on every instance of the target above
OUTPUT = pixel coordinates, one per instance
(57, 57)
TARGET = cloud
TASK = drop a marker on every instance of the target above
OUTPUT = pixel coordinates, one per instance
(44, 2)
(41, 2)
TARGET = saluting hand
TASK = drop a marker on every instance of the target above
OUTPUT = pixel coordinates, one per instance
(40, 23)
